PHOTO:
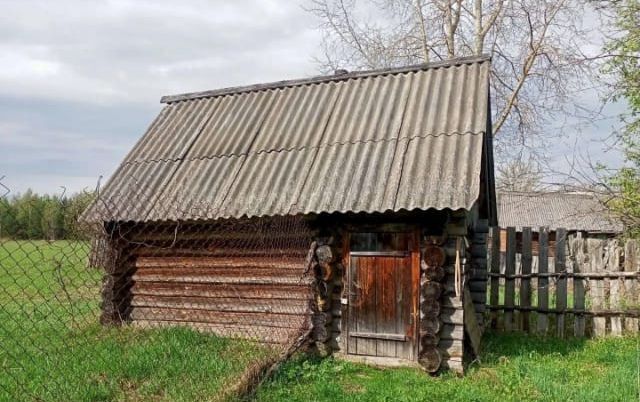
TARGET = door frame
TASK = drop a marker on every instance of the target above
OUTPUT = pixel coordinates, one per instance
(414, 237)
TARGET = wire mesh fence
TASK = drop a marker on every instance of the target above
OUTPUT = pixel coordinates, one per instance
(97, 306)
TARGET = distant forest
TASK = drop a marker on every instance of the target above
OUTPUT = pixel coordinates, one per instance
(43, 217)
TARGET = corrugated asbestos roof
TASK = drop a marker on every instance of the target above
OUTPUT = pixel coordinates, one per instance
(569, 210)
(362, 142)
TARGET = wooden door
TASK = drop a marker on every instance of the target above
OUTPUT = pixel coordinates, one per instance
(383, 281)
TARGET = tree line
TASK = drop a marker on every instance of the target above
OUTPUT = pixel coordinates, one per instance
(42, 216)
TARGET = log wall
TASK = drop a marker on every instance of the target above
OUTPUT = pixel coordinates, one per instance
(269, 293)
(432, 275)
(329, 274)
(118, 264)
(259, 297)
(478, 274)
(451, 343)
(441, 328)
(239, 288)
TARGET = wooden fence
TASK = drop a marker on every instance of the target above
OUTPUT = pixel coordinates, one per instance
(582, 285)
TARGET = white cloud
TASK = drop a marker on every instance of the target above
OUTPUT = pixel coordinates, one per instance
(136, 51)
(80, 80)
(26, 63)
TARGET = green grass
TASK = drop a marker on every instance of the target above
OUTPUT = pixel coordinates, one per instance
(52, 347)
(513, 368)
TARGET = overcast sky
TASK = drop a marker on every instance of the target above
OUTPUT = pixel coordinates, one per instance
(81, 80)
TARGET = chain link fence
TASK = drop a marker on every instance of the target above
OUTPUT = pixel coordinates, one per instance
(97, 307)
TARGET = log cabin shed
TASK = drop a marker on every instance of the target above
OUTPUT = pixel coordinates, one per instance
(391, 172)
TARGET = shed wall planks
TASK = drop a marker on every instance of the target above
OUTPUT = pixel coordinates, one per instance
(263, 295)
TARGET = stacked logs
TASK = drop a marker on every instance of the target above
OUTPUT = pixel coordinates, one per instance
(325, 267)
(479, 277)
(118, 262)
(432, 274)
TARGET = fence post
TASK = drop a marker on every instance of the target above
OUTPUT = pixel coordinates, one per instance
(596, 292)
(577, 248)
(543, 281)
(494, 299)
(525, 282)
(510, 283)
(561, 285)
(631, 264)
(615, 284)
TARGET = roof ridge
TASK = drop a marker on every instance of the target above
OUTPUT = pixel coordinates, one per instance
(324, 78)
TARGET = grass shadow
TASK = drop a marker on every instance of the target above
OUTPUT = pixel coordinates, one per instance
(512, 367)
(497, 345)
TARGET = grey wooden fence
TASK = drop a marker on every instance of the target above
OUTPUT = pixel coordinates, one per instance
(579, 284)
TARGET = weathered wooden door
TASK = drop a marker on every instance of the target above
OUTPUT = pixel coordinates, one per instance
(383, 281)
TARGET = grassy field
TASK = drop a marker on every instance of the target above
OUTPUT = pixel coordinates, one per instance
(513, 368)
(52, 347)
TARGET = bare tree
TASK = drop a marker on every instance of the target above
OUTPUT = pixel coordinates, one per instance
(536, 48)
(519, 175)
